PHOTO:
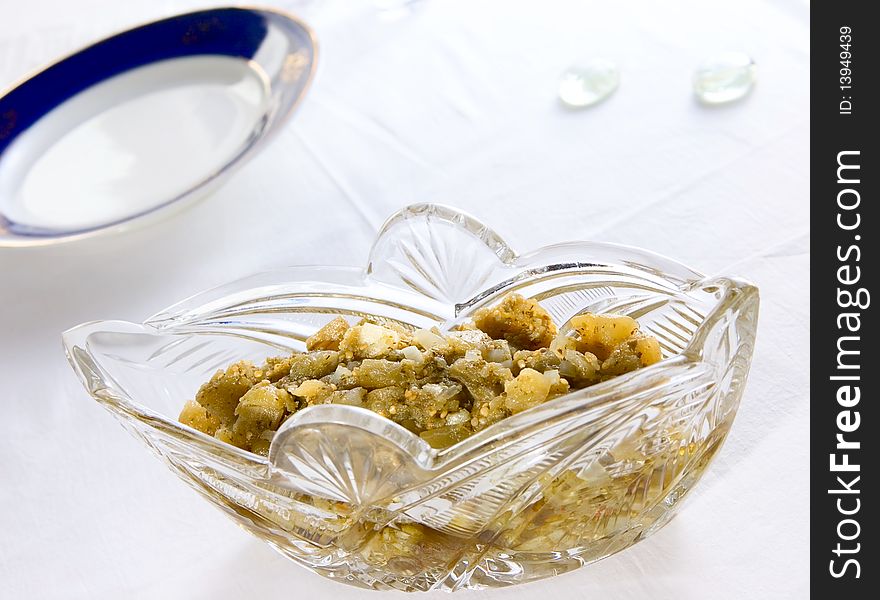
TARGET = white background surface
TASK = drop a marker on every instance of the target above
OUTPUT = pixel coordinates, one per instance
(453, 102)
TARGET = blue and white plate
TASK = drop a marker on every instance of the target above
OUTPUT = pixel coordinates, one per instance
(145, 120)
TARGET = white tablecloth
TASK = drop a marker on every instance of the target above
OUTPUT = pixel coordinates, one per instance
(450, 102)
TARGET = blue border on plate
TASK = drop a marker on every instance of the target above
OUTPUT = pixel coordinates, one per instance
(232, 32)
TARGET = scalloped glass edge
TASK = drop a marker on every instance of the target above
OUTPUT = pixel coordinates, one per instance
(410, 278)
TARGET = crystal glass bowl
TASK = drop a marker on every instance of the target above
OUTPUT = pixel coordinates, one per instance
(357, 498)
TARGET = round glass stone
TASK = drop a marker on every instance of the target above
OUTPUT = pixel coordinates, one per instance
(587, 83)
(725, 78)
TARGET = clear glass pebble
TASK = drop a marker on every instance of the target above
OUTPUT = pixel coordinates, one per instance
(585, 84)
(725, 78)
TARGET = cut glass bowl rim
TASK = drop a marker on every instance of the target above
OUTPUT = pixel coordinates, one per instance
(642, 380)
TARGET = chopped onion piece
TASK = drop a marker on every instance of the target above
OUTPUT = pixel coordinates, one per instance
(427, 339)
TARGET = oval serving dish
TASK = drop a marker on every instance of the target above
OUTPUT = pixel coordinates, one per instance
(357, 498)
(145, 120)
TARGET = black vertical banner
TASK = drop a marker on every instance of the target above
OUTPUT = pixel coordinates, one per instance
(844, 374)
